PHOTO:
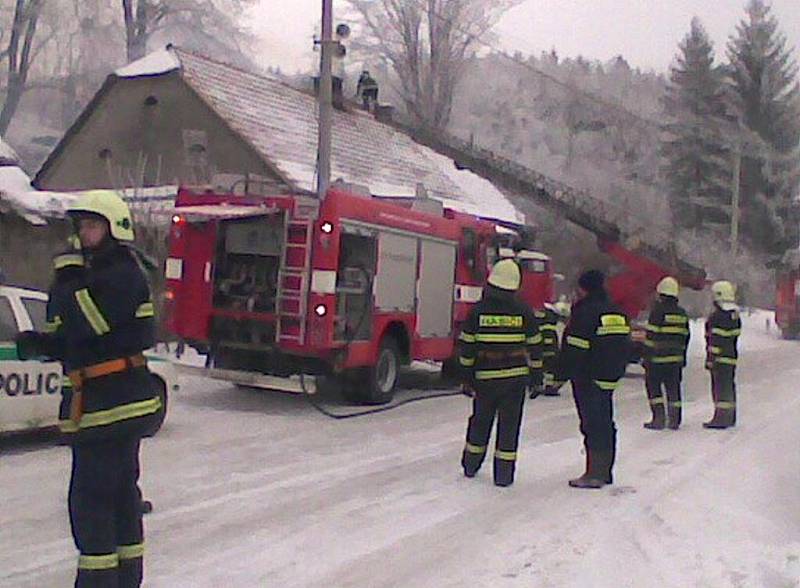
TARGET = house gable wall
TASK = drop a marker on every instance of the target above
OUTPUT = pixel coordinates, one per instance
(129, 141)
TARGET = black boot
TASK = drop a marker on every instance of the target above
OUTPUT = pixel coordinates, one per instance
(130, 572)
(674, 414)
(471, 461)
(719, 421)
(657, 422)
(503, 472)
(592, 478)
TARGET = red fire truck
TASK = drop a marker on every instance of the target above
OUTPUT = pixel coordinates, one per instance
(787, 293)
(349, 288)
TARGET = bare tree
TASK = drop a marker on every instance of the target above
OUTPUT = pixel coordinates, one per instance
(19, 54)
(427, 43)
(216, 20)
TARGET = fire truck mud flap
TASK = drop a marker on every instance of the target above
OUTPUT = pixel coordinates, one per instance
(292, 384)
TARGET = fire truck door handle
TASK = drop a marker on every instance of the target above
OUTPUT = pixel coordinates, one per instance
(207, 272)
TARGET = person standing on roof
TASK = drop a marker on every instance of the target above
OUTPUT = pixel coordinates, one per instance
(594, 354)
(665, 355)
(367, 90)
(100, 320)
(723, 328)
(500, 354)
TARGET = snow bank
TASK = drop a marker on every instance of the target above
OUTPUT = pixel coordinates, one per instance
(152, 64)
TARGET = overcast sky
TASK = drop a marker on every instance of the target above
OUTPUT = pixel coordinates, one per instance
(645, 32)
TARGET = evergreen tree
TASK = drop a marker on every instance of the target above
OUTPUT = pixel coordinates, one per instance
(764, 80)
(696, 166)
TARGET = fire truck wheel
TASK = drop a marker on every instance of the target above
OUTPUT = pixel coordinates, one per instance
(382, 378)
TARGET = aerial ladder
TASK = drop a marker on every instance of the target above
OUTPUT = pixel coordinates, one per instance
(646, 250)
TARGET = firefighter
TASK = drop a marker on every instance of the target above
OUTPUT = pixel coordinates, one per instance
(501, 357)
(594, 354)
(100, 319)
(548, 319)
(722, 333)
(665, 355)
(367, 90)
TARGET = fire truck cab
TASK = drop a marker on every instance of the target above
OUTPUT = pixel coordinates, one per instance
(349, 288)
(537, 287)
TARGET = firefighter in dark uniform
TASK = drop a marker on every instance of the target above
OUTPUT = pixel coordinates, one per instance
(723, 328)
(594, 353)
(367, 90)
(100, 319)
(548, 320)
(665, 355)
(501, 357)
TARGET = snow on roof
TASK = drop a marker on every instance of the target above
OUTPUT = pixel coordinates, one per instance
(153, 64)
(477, 195)
(36, 206)
(280, 122)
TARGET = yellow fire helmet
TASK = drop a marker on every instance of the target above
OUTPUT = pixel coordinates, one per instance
(505, 275)
(668, 287)
(723, 291)
(110, 206)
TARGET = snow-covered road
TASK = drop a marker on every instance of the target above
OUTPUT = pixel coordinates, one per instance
(257, 489)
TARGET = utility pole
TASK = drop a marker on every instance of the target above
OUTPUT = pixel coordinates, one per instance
(325, 101)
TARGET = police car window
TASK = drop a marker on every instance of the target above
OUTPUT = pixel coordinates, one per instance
(535, 265)
(37, 309)
(8, 324)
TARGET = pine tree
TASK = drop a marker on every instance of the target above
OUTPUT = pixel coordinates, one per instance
(764, 81)
(696, 166)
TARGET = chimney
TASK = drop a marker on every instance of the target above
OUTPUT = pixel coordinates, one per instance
(338, 93)
(384, 113)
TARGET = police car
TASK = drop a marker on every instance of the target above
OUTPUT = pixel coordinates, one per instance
(30, 391)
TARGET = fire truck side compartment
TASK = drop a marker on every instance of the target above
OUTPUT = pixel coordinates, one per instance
(436, 286)
(355, 274)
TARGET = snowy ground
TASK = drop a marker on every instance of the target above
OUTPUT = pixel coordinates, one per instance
(258, 489)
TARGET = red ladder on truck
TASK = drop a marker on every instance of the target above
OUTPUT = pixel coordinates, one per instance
(293, 280)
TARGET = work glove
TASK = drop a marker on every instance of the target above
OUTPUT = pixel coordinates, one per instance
(709, 364)
(32, 345)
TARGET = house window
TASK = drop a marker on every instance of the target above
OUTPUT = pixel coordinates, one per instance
(104, 153)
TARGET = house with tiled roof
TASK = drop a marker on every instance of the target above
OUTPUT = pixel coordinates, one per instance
(175, 117)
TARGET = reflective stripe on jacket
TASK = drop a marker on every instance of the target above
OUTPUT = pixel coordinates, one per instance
(723, 328)
(596, 343)
(500, 341)
(667, 333)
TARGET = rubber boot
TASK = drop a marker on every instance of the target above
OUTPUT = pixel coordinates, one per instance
(130, 572)
(471, 462)
(674, 414)
(657, 421)
(592, 478)
(503, 472)
(605, 462)
(723, 418)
